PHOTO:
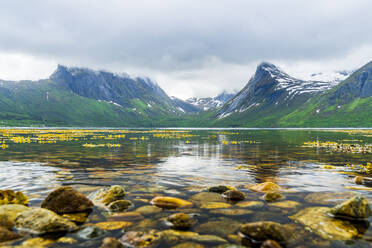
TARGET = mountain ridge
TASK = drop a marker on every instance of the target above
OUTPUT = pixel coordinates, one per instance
(271, 98)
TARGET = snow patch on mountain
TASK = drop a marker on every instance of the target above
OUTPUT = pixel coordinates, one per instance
(208, 103)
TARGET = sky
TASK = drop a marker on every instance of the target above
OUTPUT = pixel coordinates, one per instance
(190, 48)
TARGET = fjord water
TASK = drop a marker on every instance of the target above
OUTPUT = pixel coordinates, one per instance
(182, 163)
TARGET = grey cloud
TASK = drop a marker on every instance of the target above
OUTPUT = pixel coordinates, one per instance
(174, 35)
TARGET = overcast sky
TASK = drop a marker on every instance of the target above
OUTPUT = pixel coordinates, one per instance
(191, 48)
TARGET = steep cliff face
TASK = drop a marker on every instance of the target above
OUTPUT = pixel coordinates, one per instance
(358, 85)
(107, 86)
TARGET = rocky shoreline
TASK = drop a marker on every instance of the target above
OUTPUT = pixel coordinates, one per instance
(67, 211)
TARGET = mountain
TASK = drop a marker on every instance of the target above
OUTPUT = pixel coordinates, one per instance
(80, 96)
(268, 94)
(349, 104)
(208, 103)
(74, 96)
(184, 106)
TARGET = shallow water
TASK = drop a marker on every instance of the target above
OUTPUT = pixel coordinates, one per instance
(182, 163)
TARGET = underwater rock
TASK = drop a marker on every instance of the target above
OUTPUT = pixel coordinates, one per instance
(286, 204)
(119, 205)
(265, 187)
(41, 220)
(67, 240)
(222, 227)
(207, 197)
(126, 216)
(141, 239)
(328, 198)
(231, 212)
(113, 225)
(220, 189)
(110, 242)
(10, 197)
(172, 237)
(263, 230)
(181, 221)
(77, 217)
(321, 223)
(270, 244)
(6, 235)
(359, 180)
(108, 195)
(37, 243)
(272, 196)
(209, 239)
(250, 204)
(189, 245)
(170, 202)
(148, 210)
(234, 195)
(214, 205)
(354, 208)
(9, 212)
(66, 199)
(90, 232)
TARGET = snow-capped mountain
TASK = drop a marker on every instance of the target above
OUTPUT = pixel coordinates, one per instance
(208, 103)
(271, 87)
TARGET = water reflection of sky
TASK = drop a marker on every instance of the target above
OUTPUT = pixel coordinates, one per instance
(312, 177)
(27, 176)
(199, 170)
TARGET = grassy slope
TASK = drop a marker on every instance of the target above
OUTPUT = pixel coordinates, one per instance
(27, 105)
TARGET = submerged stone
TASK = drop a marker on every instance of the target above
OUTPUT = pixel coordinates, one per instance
(354, 208)
(170, 202)
(328, 198)
(11, 197)
(127, 216)
(42, 220)
(270, 244)
(181, 221)
(286, 204)
(220, 189)
(148, 210)
(67, 240)
(66, 199)
(359, 180)
(119, 205)
(231, 212)
(272, 196)
(234, 195)
(6, 235)
(207, 197)
(141, 239)
(90, 232)
(9, 212)
(263, 230)
(321, 223)
(265, 187)
(189, 245)
(108, 195)
(77, 217)
(250, 204)
(214, 205)
(110, 242)
(222, 227)
(173, 237)
(113, 225)
(37, 243)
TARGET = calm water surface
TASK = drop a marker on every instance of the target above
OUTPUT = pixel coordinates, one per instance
(182, 163)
